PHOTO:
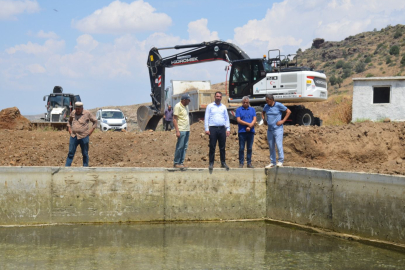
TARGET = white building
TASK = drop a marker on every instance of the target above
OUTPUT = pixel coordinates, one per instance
(377, 98)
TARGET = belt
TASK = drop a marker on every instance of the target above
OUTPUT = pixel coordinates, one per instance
(217, 126)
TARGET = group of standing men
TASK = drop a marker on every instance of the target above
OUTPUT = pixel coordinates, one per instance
(217, 127)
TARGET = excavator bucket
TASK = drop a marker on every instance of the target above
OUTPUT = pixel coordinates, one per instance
(148, 118)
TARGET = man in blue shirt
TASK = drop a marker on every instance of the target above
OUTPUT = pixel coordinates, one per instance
(217, 126)
(272, 113)
(246, 118)
(168, 117)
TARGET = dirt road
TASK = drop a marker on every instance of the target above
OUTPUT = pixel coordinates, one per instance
(367, 147)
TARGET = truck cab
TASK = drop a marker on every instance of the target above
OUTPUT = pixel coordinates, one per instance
(59, 106)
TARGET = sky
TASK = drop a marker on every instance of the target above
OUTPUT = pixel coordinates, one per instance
(99, 49)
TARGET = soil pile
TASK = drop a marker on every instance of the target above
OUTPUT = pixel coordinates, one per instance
(367, 147)
(11, 118)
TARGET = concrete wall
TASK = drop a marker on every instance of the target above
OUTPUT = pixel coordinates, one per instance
(363, 107)
(367, 205)
(30, 195)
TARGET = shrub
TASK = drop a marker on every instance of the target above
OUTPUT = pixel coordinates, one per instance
(398, 34)
(388, 60)
(394, 50)
(340, 64)
(369, 75)
(332, 80)
(360, 67)
(378, 47)
(347, 72)
(368, 59)
(347, 65)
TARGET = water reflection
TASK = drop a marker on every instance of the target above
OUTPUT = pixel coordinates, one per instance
(236, 245)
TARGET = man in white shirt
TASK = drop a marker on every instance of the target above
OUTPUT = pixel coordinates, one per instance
(217, 126)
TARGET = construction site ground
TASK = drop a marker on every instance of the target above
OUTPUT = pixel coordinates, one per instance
(361, 147)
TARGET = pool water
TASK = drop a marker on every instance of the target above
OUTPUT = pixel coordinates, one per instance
(227, 245)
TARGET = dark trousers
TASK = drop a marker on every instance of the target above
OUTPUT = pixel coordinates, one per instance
(168, 125)
(217, 134)
(84, 145)
(246, 138)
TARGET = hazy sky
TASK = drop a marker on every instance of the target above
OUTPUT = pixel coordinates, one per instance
(99, 49)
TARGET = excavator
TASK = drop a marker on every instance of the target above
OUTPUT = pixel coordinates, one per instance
(275, 74)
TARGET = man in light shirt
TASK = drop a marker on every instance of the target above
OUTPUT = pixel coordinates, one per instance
(182, 125)
(78, 126)
(217, 126)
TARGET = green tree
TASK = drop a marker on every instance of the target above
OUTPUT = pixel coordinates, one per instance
(394, 50)
(347, 65)
(332, 80)
(360, 67)
(398, 34)
(340, 64)
(347, 72)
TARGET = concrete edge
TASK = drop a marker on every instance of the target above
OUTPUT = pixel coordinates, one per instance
(367, 241)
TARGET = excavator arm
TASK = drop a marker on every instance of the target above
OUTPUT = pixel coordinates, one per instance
(149, 116)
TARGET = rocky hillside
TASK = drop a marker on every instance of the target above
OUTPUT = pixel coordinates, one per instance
(369, 54)
(378, 53)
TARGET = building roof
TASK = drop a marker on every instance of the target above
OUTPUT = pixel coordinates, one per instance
(396, 78)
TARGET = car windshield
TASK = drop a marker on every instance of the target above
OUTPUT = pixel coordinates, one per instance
(55, 101)
(112, 115)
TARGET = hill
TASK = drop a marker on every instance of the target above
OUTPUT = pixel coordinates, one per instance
(368, 54)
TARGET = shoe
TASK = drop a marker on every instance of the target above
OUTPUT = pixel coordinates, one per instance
(223, 165)
(211, 166)
(184, 167)
(280, 164)
(250, 166)
(241, 165)
(178, 166)
(271, 165)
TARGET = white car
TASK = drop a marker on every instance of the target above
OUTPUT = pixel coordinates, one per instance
(111, 119)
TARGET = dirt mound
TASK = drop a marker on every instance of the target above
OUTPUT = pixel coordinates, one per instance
(11, 118)
(367, 147)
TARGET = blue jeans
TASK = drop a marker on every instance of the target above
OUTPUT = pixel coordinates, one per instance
(246, 138)
(181, 147)
(275, 137)
(84, 145)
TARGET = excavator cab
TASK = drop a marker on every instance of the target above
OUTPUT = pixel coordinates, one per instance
(244, 74)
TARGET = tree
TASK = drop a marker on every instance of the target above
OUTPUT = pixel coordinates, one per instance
(394, 50)
(332, 80)
(340, 64)
(339, 81)
(347, 72)
(360, 67)
(398, 34)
